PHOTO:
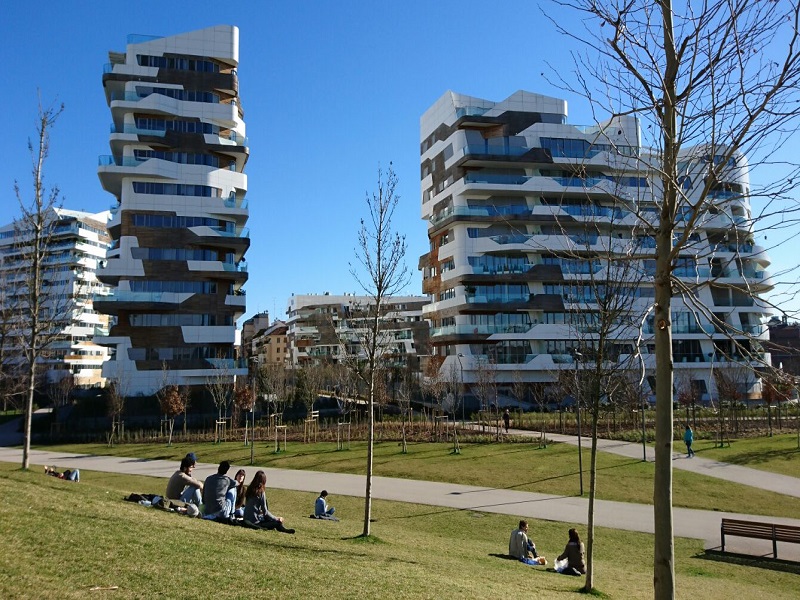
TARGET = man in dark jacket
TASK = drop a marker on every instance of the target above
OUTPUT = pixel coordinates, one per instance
(219, 494)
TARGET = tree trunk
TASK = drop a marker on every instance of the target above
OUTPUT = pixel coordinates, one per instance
(370, 447)
(26, 446)
(592, 493)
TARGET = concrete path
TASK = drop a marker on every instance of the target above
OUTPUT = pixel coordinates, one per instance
(697, 524)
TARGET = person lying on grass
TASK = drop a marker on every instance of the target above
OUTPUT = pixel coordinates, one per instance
(69, 474)
(256, 509)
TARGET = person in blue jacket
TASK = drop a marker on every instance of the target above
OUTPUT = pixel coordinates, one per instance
(688, 438)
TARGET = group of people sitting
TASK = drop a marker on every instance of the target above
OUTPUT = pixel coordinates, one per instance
(570, 562)
(229, 500)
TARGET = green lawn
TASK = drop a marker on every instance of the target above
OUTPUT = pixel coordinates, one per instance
(68, 537)
(516, 465)
(777, 454)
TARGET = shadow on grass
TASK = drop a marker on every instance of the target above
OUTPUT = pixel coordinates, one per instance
(754, 458)
(748, 560)
(503, 556)
(525, 484)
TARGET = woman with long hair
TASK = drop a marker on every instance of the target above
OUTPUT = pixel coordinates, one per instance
(575, 554)
(240, 493)
(256, 509)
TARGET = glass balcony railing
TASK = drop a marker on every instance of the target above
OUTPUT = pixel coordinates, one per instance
(127, 296)
(487, 211)
(495, 178)
(512, 238)
(132, 129)
(495, 150)
(479, 329)
(234, 203)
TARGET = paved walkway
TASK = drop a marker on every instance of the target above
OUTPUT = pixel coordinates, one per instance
(697, 524)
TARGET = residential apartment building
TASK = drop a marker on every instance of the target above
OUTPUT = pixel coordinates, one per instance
(270, 345)
(528, 217)
(176, 171)
(324, 327)
(76, 246)
(250, 328)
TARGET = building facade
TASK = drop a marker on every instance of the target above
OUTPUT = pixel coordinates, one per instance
(323, 328)
(176, 171)
(77, 243)
(528, 219)
(270, 345)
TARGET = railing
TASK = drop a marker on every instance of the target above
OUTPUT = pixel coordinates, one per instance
(496, 178)
(495, 150)
(479, 329)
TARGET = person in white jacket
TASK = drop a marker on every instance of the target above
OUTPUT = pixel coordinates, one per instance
(522, 548)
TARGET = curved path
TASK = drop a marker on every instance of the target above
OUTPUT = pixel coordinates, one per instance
(699, 524)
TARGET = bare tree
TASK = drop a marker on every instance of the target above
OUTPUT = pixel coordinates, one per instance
(116, 393)
(718, 82)
(220, 387)
(272, 382)
(382, 274)
(38, 309)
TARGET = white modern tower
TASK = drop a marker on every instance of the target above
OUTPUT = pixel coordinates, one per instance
(524, 212)
(76, 246)
(176, 171)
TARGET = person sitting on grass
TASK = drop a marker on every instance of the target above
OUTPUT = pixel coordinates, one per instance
(182, 486)
(256, 509)
(69, 474)
(522, 548)
(321, 509)
(241, 487)
(219, 494)
(575, 556)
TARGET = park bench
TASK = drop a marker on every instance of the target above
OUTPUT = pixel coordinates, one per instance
(760, 531)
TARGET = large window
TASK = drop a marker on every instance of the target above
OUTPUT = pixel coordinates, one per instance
(179, 222)
(156, 124)
(194, 287)
(174, 189)
(178, 320)
(178, 63)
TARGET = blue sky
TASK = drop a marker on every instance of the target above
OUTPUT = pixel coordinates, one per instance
(331, 91)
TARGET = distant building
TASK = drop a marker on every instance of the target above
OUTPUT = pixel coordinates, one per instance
(250, 327)
(77, 246)
(271, 344)
(176, 171)
(523, 211)
(784, 345)
(321, 327)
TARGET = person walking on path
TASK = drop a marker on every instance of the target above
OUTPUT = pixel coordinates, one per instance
(507, 419)
(688, 438)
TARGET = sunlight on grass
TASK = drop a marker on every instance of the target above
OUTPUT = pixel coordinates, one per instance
(518, 466)
(69, 537)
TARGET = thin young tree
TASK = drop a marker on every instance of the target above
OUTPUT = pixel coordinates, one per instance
(220, 387)
(382, 274)
(39, 308)
(716, 80)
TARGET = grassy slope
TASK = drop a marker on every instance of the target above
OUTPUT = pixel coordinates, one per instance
(69, 537)
(777, 454)
(519, 465)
